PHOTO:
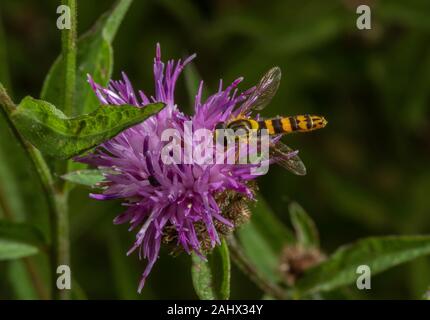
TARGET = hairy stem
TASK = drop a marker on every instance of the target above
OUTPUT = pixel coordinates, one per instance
(61, 221)
(68, 52)
(55, 194)
(249, 269)
(56, 200)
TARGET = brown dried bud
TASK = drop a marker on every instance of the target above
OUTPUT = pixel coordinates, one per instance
(296, 259)
(235, 206)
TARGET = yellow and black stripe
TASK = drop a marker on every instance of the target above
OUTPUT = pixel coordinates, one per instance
(300, 123)
(284, 125)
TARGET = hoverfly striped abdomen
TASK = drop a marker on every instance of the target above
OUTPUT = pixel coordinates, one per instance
(301, 123)
(273, 126)
(304, 123)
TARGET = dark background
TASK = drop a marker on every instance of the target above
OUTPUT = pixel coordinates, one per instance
(368, 171)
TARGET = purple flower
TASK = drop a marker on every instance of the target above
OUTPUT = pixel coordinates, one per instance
(179, 204)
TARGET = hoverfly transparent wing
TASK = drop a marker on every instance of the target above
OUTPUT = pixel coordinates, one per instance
(286, 157)
(264, 92)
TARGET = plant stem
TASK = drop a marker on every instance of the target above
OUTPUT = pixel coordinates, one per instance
(55, 194)
(57, 201)
(61, 221)
(68, 55)
(68, 51)
(249, 269)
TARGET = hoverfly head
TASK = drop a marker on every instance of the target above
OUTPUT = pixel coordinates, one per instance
(241, 127)
(239, 124)
(238, 127)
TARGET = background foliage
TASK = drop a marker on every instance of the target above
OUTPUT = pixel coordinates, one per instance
(368, 172)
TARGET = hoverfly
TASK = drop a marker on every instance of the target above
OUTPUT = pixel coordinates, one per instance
(258, 100)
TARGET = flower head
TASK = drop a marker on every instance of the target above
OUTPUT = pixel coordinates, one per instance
(181, 204)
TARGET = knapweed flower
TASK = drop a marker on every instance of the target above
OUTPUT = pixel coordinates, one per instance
(184, 205)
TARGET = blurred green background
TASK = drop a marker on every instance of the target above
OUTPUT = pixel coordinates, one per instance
(368, 171)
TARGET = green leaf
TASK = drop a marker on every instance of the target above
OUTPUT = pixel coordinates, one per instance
(379, 253)
(14, 250)
(263, 238)
(20, 187)
(259, 252)
(18, 240)
(269, 225)
(54, 134)
(89, 177)
(306, 231)
(211, 279)
(94, 57)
